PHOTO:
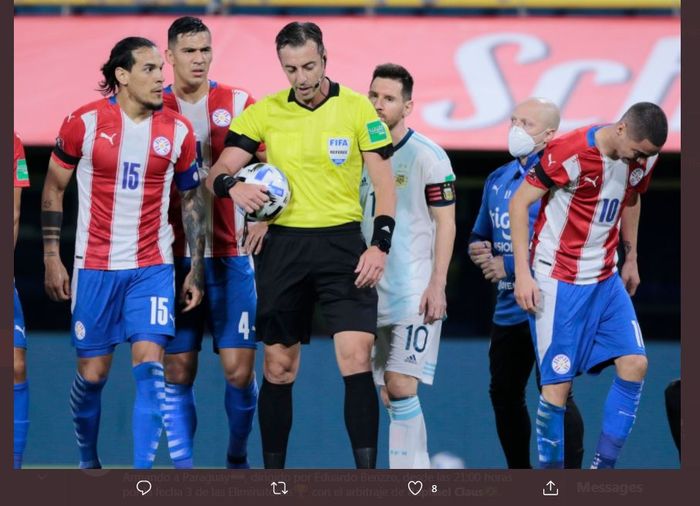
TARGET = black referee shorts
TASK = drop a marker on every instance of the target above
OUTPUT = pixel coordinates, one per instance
(299, 267)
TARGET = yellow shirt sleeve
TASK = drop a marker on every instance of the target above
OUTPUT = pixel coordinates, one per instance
(372, 132)
(251, 122)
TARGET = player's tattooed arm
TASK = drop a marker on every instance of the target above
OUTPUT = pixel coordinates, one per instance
(629, 225)
(193, 209)
(56, 279)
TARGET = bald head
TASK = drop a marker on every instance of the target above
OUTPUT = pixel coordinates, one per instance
(541, 110)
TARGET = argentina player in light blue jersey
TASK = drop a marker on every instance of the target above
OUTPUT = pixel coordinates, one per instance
(511, 352)
(412, 302)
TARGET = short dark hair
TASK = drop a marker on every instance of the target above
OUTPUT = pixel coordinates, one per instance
(646, 121)
(185, 25)
(296, 34)
(398, 73)
(121, 56)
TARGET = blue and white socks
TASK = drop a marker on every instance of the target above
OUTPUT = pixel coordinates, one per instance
(21, 419)
(86, 406)
(408, 438)
(550, 435)
(147, 421)
(180, 421)
(618, 417)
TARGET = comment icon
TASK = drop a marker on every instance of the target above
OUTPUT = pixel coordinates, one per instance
(143, 486)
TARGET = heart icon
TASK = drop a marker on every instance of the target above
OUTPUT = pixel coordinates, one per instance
(415, 487)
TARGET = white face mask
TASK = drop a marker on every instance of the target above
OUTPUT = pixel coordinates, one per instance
(519, 142)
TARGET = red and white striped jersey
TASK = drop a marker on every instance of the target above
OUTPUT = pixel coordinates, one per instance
(578, 227)
(210, 118)
(124, 171)
(21, 174)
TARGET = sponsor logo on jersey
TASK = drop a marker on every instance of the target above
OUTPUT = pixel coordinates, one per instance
(21, 331)
(411, 359)
(561, 364)
(22, 172)
(636, 176)
(364, 181)
(401, 180)
(593, 181)
(221, 117)
(376, 131)
(161, 145)
(506, 286)
(110, 138)
(338, 149)
(79, 330)
(503, 246)
(501, 221)
(496, 188)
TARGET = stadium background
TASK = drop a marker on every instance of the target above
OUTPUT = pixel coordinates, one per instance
(472, 59)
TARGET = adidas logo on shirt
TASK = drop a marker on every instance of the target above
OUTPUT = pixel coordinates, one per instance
(411, 359)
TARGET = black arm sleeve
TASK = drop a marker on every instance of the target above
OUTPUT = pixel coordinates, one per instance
(385, 151)
(241, 141)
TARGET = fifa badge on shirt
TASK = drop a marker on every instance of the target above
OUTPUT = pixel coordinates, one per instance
(338, 149)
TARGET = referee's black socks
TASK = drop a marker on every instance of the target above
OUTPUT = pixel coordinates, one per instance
(362, 418)
(275, 417)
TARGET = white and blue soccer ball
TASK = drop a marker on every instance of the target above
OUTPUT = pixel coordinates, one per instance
(277, 189)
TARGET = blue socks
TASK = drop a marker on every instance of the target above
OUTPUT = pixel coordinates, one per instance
(86, 406)
(147, 421)
(180, 420)
(240, 408)
(618, 417)
(21, 416)
(550, 435)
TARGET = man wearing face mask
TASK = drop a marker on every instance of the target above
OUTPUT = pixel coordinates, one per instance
(511, 354)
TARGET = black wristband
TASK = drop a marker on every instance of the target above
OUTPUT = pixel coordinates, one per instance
(222, 184)
(383, 230)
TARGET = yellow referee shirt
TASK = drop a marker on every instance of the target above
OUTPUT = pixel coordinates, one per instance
(319, 150)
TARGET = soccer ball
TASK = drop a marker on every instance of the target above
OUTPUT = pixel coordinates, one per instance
(277, 189)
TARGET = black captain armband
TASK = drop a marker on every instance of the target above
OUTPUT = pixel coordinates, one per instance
(383, 230)
(241, 141)
(222, 184)
(440, 194)
(542, 176)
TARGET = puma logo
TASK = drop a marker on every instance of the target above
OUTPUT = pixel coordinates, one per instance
(110, 138)
(549, 159)
(20, 330)
(594, 181)
(496, 188)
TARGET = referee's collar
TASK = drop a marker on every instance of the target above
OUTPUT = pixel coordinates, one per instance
(333, 91)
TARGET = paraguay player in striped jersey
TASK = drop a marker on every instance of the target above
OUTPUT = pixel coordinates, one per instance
(21, 388)
(582, 317)
(412, 299)
(229, 304)
(534, 123)
(125, 150)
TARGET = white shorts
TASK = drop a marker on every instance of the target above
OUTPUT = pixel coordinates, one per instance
(409, 347)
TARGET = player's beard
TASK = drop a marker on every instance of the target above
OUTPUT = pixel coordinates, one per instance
(153, 106)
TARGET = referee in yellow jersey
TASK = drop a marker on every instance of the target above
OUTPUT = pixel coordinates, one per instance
(319, 133)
